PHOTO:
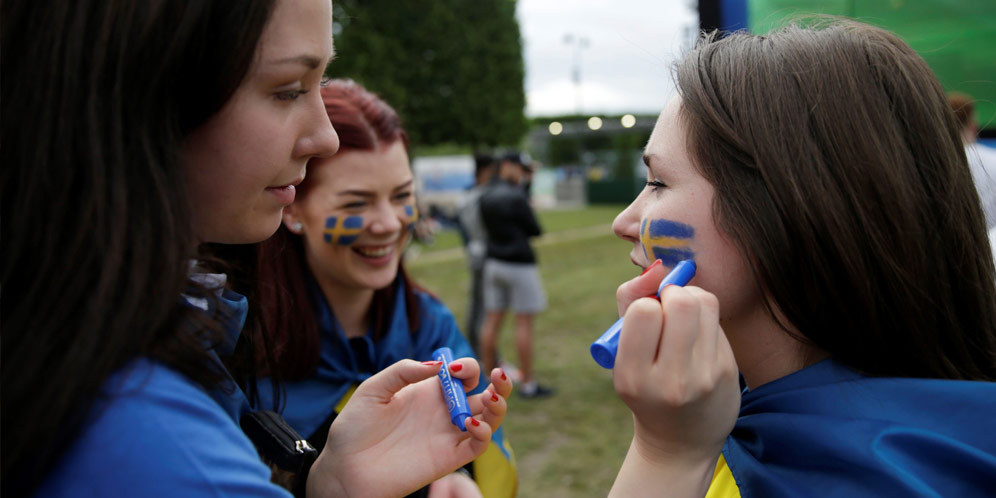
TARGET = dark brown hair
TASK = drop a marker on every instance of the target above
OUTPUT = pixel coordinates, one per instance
(364, 122)
(839, 172)
(97, 99)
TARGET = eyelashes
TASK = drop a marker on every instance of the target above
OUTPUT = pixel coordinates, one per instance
(290, 95)
(655, 185)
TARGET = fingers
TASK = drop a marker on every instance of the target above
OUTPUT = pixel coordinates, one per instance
(468, 371)
(480, 436)
(500, 383)
(638, 345)
(386, 383)
(682, 332)
(706, 348)
(491, 406)
(501, 386)
(641, 286)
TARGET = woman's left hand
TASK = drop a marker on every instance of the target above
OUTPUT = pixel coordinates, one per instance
(395, 435)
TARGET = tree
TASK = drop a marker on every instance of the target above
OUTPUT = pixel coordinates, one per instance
(452, 68)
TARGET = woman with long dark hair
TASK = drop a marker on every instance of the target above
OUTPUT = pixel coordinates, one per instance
(133, 133)
(816, 177)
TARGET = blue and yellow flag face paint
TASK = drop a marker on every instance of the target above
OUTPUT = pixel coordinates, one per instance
(666, 240)
(343, 230)
(411, 212)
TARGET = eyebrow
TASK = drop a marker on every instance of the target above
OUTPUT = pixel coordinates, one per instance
(647, 158)
(310, 61)
(367, 193)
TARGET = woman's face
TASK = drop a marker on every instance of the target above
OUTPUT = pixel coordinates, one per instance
(241, 166)
(355, 217)
(672, 220)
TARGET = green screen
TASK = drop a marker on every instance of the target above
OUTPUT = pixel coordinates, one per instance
(956, 38)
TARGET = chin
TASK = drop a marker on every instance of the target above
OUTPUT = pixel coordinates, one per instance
(247, 234)
(378, 282)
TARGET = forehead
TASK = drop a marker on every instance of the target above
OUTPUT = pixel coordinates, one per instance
(297, 27)
(386, 166)
(668, 133)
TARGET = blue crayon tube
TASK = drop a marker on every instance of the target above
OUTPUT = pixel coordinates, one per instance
(456, 399)
(604, 349)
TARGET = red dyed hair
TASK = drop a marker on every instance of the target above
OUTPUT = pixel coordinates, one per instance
(364, 122)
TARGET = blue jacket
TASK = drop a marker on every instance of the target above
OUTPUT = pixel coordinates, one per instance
(829, 431)
(154, 432)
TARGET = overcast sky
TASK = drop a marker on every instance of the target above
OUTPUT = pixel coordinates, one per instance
(626, 65)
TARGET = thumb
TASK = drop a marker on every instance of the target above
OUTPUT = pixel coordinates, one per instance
(386, 383)
(642, 286)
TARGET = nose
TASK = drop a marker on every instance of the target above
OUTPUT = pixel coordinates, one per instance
(386, 218)
(319, 138)
(626, 226)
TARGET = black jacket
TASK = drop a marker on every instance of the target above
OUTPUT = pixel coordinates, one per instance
(510, 221)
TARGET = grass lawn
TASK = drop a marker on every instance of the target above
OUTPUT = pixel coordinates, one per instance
(552, 221)
(572, 443)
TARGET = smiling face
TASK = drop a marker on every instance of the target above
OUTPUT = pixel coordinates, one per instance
(242, 164)
(672, 219)
(355, 217)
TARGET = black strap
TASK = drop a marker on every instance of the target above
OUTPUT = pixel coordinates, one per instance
(280, 445)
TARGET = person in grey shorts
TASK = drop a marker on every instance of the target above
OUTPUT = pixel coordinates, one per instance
(511, 280)
(513, 286)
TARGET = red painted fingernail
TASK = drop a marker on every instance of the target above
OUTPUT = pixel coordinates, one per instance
(652, 265)
(432, 363)
(474, 422)
(456, 367)
(502, 374)
(494, 397)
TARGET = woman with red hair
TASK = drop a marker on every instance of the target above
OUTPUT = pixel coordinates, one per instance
(336, 303)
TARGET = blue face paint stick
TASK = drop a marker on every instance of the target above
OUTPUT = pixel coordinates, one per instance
(604, 349)
(456, 399)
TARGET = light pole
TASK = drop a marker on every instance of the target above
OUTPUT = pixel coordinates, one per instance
(580, 43)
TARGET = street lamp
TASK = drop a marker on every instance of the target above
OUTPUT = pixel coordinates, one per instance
(580, 43)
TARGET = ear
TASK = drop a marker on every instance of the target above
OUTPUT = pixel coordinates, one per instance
(291, 221)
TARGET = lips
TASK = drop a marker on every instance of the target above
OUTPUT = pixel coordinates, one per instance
(285, 194)
(374, 251)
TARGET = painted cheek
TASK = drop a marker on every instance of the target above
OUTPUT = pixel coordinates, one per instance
(411, 215)
(343, 230)
(666, 240)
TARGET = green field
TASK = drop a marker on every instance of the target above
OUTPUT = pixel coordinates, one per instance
(572, 443)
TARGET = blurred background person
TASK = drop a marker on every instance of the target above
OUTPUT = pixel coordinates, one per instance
(476, 245)
(511, 279)
(981, 159)
(335, 301)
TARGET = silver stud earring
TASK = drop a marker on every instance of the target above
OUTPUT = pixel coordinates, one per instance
(297, 226)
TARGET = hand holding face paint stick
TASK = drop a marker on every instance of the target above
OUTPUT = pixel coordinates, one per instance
(456, 398)
(604, 349)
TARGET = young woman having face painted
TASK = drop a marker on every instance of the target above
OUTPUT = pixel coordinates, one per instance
(335, 300)
(817, 178)
(180, 124)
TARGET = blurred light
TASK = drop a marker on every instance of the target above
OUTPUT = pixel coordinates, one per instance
(628, 121)
(556, 128)
(594, 122)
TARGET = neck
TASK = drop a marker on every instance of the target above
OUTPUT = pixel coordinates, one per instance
(765, 351)
(349, 305)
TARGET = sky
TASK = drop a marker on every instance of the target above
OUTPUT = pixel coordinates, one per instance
(626, 66)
